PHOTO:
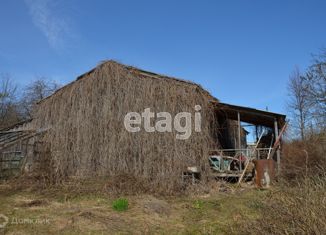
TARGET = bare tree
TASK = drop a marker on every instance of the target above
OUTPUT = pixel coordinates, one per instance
(298, 103)
(8, 101)
(36, 91)
(315, 80)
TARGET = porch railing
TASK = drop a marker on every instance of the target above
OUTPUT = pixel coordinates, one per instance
(251, 153)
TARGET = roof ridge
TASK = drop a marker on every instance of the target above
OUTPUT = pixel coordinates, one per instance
(133, 69)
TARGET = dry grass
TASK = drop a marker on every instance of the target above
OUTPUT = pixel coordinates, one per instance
(291, 209)
(84, 207)
(297, 205)
(87, 137)
(89, 211)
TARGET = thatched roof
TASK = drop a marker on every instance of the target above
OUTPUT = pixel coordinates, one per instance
(137, 72)
(87, 135)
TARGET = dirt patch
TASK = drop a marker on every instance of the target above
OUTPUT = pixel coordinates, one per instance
(34, 203)
(152, 205)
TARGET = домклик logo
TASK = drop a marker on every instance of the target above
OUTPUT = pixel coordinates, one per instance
(3, 220)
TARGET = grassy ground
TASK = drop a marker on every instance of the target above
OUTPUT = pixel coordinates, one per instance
(59, 211)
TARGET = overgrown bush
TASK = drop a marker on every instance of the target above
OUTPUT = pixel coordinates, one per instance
(301, 159)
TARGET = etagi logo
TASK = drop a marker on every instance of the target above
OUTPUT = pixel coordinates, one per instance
(181, 122)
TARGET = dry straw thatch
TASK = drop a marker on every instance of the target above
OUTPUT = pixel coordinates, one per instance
(87, 137)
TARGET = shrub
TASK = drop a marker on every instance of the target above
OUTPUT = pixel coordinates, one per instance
(304, 158)
(121, 204)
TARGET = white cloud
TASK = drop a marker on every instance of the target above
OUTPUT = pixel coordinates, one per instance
(54, 27)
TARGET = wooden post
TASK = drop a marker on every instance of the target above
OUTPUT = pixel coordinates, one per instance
(278, 153)
(244, 170)
(256, 129)
(239, 139)
(258, 155)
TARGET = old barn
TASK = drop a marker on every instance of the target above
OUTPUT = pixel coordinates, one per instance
(79, 131)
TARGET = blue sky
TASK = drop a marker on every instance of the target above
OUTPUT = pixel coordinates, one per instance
(241, 51)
